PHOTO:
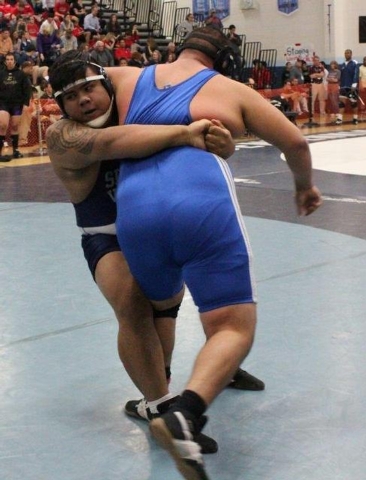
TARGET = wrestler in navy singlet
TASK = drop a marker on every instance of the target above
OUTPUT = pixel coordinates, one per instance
(178, 217)
(96, 215)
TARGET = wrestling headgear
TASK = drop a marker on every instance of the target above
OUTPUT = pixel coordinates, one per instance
(213, 43)
(69, 70)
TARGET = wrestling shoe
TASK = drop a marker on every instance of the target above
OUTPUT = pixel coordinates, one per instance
(5, 158)
(338, 121)
(175, 432)
(17, 154)
(139, 409)
(355, 121)
(242, 380)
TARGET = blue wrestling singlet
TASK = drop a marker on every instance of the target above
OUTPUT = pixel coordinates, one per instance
(178, 217)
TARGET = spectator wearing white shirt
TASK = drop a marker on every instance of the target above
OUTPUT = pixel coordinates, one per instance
(91, 21)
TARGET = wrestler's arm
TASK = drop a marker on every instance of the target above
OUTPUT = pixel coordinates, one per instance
(74, 146)
(268, 123)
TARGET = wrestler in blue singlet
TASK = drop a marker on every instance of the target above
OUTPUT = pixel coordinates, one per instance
(178, 219)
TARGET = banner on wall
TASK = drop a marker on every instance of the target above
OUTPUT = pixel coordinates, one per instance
(287, 6)
(301, 51)
(203, 7)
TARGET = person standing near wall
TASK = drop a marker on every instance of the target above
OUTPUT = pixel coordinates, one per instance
(317, 85)
(348, 84)
(15, 91)
(333, 91)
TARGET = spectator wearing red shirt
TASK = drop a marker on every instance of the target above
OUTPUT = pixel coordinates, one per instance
(32, 28)
(78, 31)
(122, 52)
(261, 75)
(6, 9)
(61, 9)
(23, 9)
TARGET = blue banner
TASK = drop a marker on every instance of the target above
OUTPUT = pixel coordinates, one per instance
(288, 6)
(203, 7)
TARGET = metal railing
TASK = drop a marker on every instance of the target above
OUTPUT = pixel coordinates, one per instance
(251, 51)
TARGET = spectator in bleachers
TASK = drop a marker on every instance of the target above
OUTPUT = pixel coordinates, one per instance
(3, 22)
(171, 58)
(79, 33)
(135, 35)
(109, 41)
(48, 46)
(37, 72)
(7, 10)
(48, 5)
(297, 72)
(15, 38)
(92, 23)
(213, 20)
(260, 75)
(6, 44)
(25, 40)
(121, 51)
(113, 26)
(170, 49)
(101, 55)
(150, 46)
(286, 74)
(49, 24)
(49, 107)
(23, 9)
(68, 41)
(66, 24)
(20, 26)
(32, 28)
(127, 37)
(47, 91)
(32, 54)
(155, 58)
(186, 27)
(39, 11)
(77, 10)
(303, 99)
(122, 62)
(136, 59)
(62, 8)
(15, 91)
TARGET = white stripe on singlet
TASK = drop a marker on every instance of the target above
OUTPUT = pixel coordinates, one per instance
(106, 229)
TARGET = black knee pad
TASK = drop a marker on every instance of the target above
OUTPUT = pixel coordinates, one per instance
(169, 312)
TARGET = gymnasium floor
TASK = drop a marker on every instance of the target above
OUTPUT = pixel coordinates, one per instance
(62, 387)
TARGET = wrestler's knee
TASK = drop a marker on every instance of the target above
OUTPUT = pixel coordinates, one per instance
(240, 318)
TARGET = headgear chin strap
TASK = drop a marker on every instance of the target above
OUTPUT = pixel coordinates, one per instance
(102, 119)
(219, 57)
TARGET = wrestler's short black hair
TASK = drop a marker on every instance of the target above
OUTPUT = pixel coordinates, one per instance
(212, 42)
(70, 67)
